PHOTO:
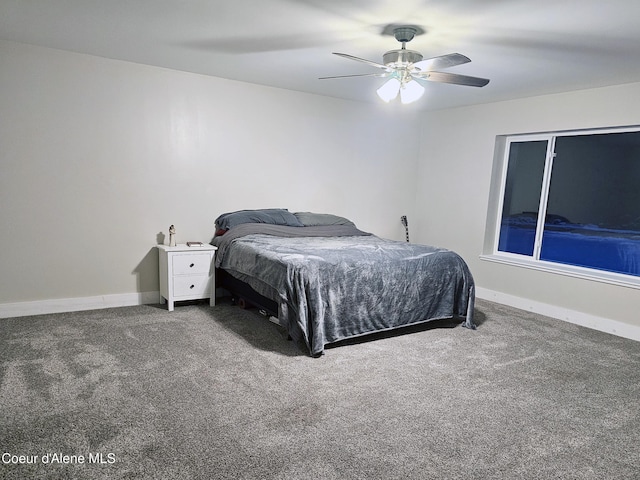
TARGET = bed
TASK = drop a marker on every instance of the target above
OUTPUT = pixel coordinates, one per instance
(584, 245)
(326, 281)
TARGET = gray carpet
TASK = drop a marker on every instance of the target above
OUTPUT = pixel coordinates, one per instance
(208, 393)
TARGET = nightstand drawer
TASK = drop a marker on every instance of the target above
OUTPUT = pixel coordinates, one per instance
(198, 285)
(191, 264)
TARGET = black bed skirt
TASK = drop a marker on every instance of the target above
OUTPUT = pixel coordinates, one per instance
(242, 293)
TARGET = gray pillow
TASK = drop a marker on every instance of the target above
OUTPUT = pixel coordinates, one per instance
(309, 219)
(274, 216)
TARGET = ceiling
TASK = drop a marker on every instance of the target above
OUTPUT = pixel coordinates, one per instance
(526, 47)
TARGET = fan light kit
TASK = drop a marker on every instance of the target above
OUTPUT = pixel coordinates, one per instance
(406, 68)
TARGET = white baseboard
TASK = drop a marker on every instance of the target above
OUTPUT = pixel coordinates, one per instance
(61, 305)
(601, 324)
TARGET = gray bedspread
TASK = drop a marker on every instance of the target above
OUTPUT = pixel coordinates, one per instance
(339, 282)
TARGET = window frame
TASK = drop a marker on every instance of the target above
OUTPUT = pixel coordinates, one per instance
(496, 205)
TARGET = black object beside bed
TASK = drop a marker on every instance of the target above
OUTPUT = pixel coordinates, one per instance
(327, 281)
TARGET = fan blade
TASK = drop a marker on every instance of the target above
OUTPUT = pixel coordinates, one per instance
(454, 78)
(443, 61)
(386, 74)
(358, 59)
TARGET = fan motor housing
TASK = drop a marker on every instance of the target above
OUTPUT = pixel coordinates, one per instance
(401, 57)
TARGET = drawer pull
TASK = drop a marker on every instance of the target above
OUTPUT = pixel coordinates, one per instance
(192, 286)
(191, 266)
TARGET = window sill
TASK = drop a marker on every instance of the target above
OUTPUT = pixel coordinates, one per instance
(612, 278)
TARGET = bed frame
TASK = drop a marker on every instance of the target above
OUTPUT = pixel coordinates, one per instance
(244, 296)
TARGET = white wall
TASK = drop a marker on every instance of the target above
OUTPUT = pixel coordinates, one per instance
(454, 177)
(98, 157)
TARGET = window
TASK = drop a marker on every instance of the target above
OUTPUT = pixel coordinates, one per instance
(570, 202)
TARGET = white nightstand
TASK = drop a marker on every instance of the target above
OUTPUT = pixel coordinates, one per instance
(187, 273)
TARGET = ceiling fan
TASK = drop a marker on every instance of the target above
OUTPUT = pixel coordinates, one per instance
(405, 68)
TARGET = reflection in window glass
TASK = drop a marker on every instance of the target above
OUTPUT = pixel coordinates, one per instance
(522, 196)
(593, 210)
(592, 196)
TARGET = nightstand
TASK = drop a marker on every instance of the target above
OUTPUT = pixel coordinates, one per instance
(187, 273)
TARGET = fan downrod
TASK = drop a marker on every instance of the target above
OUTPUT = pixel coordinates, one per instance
(402, 57)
